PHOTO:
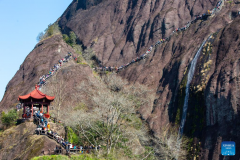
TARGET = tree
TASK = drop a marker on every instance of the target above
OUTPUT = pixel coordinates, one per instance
(49, 30)
(52, 29)
(88, 54)
(168, 148)
(72, 38)
(9, 118)
(40, 36)
(66, 38)
(58, 89)
(107, 123)
(112, 121)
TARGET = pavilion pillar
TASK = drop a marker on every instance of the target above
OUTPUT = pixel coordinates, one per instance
(32, 111)
(42, 109)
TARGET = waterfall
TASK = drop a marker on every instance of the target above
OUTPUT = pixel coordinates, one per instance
(185, 106)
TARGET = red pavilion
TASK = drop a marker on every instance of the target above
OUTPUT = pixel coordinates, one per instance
(33, 101)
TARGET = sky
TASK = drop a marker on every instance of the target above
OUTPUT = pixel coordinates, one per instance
(21, 22)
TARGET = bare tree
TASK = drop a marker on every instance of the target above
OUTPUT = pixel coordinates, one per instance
(40, 36)
(58, 88)
(114, 110)
(167, 147)
(113, 118)
(114, 83)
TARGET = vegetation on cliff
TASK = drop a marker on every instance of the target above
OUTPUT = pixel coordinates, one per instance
(51, 30)
(63, 157)
(71, 39)
(107, 118)
(8, 119)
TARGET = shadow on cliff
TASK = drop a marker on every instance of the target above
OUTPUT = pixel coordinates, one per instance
(219, 125)
(170, 80)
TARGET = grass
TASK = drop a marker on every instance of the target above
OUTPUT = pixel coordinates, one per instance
(83, 63)
(63, 157)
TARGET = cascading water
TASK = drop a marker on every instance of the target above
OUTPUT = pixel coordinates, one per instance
(185, 106)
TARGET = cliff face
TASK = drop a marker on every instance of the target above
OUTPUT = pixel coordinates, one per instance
(120, 30)
(43, 57)
(222, 92)
(19, 142)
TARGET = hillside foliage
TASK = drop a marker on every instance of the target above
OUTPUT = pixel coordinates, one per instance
(51, 30)
(71, 39)
(105, 114)
(9, 118)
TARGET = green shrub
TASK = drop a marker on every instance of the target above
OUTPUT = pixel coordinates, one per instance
(88, 54)
(72, 137)
(52, 29)
(9, 118)
(72, 38)
(78, 49)
(66, 38)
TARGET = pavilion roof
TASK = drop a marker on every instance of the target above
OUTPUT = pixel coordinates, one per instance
(36, 94)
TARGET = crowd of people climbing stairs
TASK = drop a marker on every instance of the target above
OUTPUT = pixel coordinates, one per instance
(43, 79)
(43, 128)
(126, 65)
(199, 17)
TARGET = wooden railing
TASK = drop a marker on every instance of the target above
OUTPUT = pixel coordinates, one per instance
(71, 150)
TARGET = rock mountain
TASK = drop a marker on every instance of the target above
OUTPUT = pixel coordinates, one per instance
(120, 30)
